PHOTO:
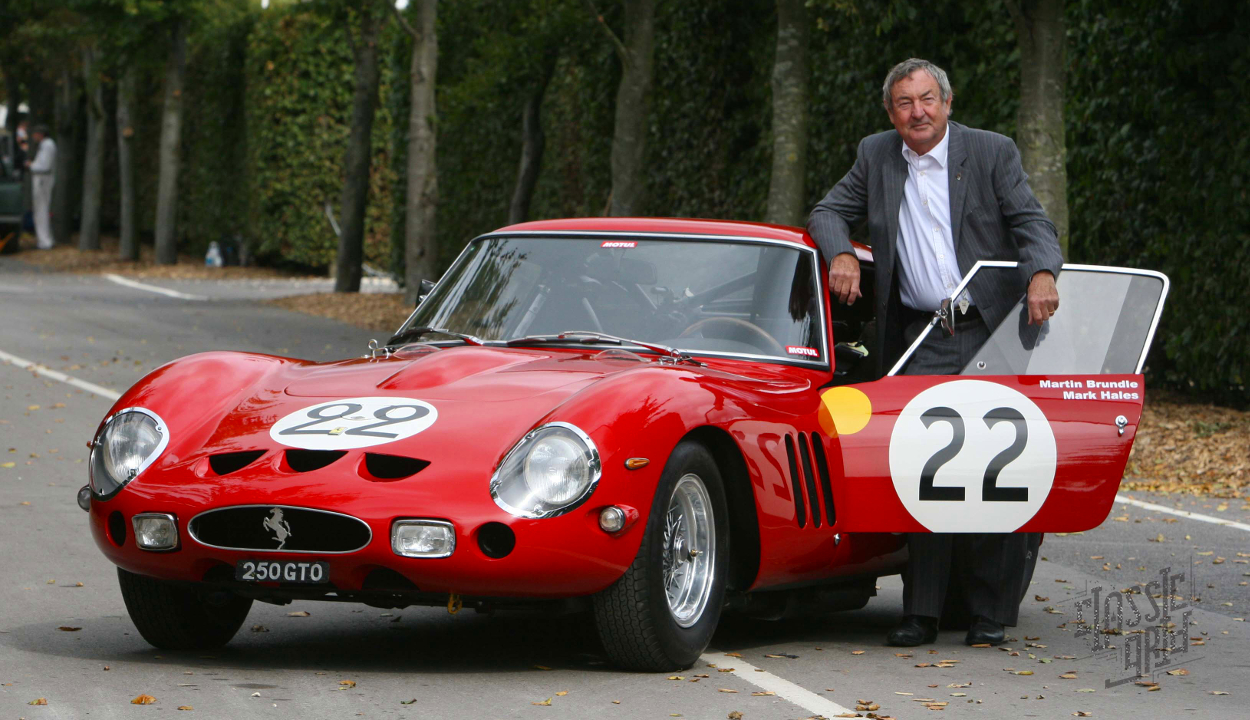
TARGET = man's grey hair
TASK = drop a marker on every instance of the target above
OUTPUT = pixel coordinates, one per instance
(909, 66)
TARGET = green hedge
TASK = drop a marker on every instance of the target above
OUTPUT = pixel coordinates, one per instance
(298, 76)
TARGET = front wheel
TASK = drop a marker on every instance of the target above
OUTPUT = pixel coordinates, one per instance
(181, 617)
(660, 615)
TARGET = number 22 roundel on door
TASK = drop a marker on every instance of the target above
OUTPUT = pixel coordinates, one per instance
(1012, 454)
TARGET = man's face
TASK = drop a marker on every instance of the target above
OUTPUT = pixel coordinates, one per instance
(917, 111)
(37, 136)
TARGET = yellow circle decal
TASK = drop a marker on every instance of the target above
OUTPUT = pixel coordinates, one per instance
(844, 411)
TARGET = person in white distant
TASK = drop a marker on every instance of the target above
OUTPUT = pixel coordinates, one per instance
(42, 170)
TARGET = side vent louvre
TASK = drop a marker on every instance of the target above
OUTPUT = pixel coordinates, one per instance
(392, 467)
(309, 460)
(800, 510)
(226, 463)
(812, 498)
(822, 466)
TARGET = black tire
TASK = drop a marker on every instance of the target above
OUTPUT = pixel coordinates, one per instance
(637, 629)
(181, 617)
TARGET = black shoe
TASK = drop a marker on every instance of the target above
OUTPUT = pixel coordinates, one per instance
(914, 630)
(984, 631)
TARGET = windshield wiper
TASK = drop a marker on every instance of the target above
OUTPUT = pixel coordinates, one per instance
(413, 333)
(590, 337)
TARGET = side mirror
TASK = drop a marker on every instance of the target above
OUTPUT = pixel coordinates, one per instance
(423, 290)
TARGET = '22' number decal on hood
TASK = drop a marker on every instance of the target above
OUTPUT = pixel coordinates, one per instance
(972, 456)
(354, 423)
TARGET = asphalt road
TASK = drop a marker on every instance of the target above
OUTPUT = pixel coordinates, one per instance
(421, 663)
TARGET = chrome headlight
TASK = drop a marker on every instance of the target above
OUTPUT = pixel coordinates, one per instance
(551, 471)
(129, 443)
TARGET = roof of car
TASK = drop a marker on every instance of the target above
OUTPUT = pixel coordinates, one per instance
(676, 226)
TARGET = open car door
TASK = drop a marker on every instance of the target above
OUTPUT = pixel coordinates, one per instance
(1032, 436)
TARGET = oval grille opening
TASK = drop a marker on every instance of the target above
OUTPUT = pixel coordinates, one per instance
(392, 467)
(309, 460)
(226, 463)
(280, 528)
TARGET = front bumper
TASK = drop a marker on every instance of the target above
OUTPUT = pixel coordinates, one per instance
(560, 557)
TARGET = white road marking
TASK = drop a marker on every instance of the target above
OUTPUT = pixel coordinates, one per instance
(785, 689)
(1182, 513)
(151, 288)
(48, 372)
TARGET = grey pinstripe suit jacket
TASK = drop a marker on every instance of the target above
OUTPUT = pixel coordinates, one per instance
(994, 216)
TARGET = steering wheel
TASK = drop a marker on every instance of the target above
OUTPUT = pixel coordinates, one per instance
(769, 341)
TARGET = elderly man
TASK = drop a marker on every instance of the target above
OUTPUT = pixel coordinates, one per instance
(938, 197)
(42, 170)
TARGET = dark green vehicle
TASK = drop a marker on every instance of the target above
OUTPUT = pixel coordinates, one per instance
(10, 198)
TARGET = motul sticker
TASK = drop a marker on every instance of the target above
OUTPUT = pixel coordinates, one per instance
(800, 350)
(619, 244)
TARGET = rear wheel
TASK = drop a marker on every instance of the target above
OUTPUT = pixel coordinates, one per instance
(660, 615)
(181, 617)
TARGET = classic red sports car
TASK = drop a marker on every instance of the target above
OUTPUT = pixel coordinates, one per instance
(650, 419)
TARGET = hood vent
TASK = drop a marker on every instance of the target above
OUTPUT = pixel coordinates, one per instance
(387, 468)
(226, 463)
(309, 460)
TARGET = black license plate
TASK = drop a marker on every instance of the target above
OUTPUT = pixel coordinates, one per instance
(283, 571)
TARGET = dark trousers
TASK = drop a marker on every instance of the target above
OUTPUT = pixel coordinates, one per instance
(992, 569)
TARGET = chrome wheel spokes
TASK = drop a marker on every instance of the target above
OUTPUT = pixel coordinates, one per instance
(689, 550)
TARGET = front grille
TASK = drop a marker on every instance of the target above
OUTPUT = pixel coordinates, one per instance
(280, 528)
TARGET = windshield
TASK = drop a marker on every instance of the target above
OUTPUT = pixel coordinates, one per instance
(702, 297)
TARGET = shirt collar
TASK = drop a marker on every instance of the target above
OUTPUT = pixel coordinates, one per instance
(938, 152)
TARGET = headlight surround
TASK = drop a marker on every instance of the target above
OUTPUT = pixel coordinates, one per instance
(130, 442)
(551, 471)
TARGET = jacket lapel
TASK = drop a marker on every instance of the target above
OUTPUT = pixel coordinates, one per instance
(956, 155)
(894, 176)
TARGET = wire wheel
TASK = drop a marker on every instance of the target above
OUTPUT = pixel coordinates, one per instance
(689, 550)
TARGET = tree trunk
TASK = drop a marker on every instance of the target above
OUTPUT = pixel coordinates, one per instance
(633, 101)
(129, 245)
(359, 150)
(421, 252)
(93, 166)
(532, 144)
(66, 110)
(171, 149)
(1041, 31)
(785, 190)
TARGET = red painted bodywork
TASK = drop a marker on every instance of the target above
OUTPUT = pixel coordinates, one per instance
(487, 398)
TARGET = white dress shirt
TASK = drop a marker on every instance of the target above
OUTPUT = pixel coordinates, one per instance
(926, 250)
(45, 159)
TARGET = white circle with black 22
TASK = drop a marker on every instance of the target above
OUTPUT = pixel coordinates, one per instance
(972, 456)
(353, 423)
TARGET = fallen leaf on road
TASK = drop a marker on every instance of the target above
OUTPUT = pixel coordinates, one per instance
(959, 694)
(676, 677)
(733, 654)
(67, 628)
(1182, 671)
(348, 683)
(259, 628)
(726, 690)
(541, 667)
(1068, 676)
(762, 693)
(38, 701)
(562, 693)
(982, 645)
(543, 703)
(1082, 713)
(724, 669)
(299, 613)
(857, 652)
(1159, 538)
(8, 465)
(407, 702)
(1087, 690)
(1021, 672)
(1039, 598)
(185, 707)
(734, 715)
(143, 700)
(1218, 692)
